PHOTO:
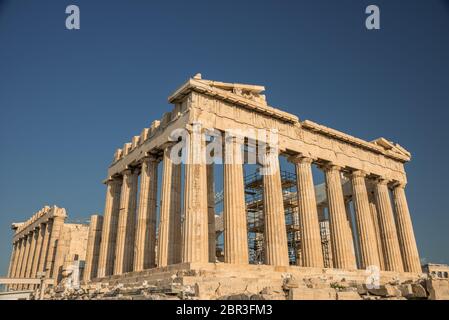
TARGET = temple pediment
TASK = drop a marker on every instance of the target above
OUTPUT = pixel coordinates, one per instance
(391, 147)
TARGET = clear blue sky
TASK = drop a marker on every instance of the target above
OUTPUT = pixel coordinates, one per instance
(68, 99)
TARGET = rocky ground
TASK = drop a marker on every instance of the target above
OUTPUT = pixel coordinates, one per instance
(289, 289)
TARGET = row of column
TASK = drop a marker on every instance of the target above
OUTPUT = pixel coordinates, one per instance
(35, 252)
(398, 250)
(128, 232)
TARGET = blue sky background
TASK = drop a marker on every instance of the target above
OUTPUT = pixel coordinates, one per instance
(68, 99)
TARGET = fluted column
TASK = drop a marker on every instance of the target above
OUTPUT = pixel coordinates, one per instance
(275, 237)
(211, 211)
(166, 202)
(93, 247)
(126, 224)
(144, 257)
(46, 228)
(16, 263)
(342, 255)
(390, 242)
(12, 259)
(409, 250)
(38, 250)
(31, 253)
(195, 235)
(17, 272)
(109, 230)
(58, 224)
(367, 238)
(375, 218)
(311, 250)
(234, 209)
(24, 266)
(175, 238)
(352, 230)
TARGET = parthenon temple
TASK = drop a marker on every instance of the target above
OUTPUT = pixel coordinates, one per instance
(356, 218)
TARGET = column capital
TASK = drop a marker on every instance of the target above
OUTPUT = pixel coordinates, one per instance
(382, 181)
(149, 157)
(358, 173)
(399, 185)
(299, 158)
(331, 167)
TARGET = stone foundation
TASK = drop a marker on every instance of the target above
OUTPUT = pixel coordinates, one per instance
(209, 281)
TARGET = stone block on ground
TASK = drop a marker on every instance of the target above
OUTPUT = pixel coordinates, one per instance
(312, 294)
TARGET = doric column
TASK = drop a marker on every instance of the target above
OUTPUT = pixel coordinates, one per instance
(175, 239)
(38, 251)
(410, 256)
(311, 250)
(58, 224)
(166, 202)
(144, 256)
(17, 271)
(12, 259)
(33, 235)
(124, 253)
(390, 242)
(46, 228)
(195, 235)
(109, 231)
(234, 209)
(211, 211)
(18, 245)
(275, 237)
(367, 238)
(375, 218)
(352, 230)
(342, 254)
(93, 247)
(25, 265)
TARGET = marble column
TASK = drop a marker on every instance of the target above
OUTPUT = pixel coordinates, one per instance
(352, 230)
(18, 245)
(93, 247)
(46, 240)
(311, 250)
(12, 259)
(18, 272)
(31, 253)
(367, 238)
(375, 218)
(275, 236)
(211, 211)
(234, 207)
(124, 253)
(166, 203)
(390, 242)
(24, 265)
(195, 235)
(409, 250)
(38, 251)
(342, 254)
(175, 235)
(144, 256)
(109, 230)
(58, 224)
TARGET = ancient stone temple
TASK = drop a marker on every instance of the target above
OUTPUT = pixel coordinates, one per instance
(267, 229)
(44, 245)
(128, 239)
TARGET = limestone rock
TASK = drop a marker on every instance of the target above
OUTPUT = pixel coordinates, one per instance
(312, 294)
(348, 295)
